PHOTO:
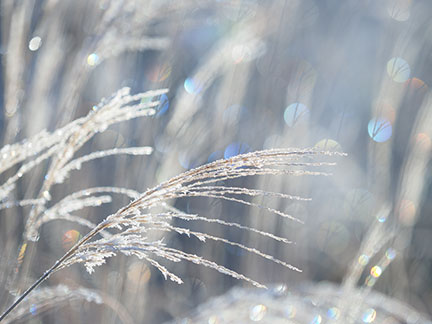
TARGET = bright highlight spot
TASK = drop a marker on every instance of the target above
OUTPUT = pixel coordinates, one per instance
(379, 129)
(93, 59)
(369, 315)
(390, 253)
(363, 259)
(235, 149)
(213, 320)
(70, 238)
(333, 313)
(328, 145)
(376, 271)
(316, 320)
(399, 10)
(398, 69)
(33, 309)
(296, 113)
(257, 313)
(192, 86)
(22, 252)
(35, 43)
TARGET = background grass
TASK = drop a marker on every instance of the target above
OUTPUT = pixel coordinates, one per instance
(236, 71)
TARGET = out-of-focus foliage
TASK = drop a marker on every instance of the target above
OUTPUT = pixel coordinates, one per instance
(243, 75)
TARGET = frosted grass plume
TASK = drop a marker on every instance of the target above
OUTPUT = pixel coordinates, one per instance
(129, 231)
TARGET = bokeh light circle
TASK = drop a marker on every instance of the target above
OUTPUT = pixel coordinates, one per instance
(35, 43)
(376, 271)
(235, 149)
(192, 86)
(390, 254)
(363, 259)
(257, 312)
(70, 238)
(333, 313)
(407, 212)
(296, 113)
(160, 73)
(369, 315)
(290, 311)
(93, 59)
(316, 320)
(328, 145)
(379, 129)
(398, 69)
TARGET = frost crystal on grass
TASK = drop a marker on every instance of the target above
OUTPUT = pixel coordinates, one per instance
(132, 225)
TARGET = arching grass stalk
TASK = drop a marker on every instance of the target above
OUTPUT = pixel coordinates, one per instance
(131, 229)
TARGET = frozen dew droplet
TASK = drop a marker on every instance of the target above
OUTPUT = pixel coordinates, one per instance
(35, 43)
(257, 313)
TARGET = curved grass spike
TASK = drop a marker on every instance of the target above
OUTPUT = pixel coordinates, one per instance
(61, 147)
(129, 227)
